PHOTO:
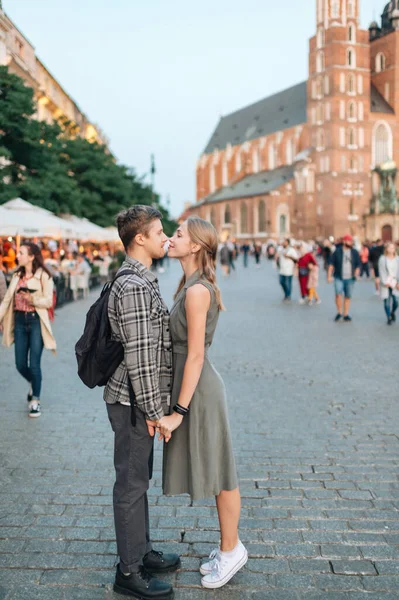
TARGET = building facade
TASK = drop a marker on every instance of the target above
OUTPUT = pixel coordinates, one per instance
(52, 101)
(318, 159)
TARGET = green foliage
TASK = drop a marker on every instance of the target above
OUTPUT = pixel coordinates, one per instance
(50, 166)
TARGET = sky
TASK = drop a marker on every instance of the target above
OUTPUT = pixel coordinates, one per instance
(156, 75)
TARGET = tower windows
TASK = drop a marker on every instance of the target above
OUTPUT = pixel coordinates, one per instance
(380, 62)
(352, 111)
(334, 9)
(352, 8)
(351, 137)
(351, 83)
(320, 38)
(352, 33)
(326, 85)
(351, 58)
(320, 64)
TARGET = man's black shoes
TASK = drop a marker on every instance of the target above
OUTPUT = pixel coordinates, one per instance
(158, 562)
(142, 585)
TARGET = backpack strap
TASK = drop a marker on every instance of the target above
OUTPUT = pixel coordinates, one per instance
(133, 419)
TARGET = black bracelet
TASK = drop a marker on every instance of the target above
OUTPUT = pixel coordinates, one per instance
(181, 410)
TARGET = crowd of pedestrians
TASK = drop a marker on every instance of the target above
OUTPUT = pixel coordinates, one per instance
(344, 265)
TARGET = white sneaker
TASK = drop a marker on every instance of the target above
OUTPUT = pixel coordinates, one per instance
(318, 301)
(34, 408)
(208, 566)
(225, 568)
(301, 301)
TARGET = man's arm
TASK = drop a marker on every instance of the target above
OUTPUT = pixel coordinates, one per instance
(134, 307)
(331, 268)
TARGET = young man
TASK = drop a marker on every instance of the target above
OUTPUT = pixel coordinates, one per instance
(345, 265)
(139, 319)
(286, 260)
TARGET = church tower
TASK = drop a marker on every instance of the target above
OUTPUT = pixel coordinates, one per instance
(338, 116)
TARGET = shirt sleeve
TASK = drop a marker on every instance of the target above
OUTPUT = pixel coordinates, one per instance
(135, 327)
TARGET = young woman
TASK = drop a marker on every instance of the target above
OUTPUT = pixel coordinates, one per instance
(304, 261)
(388, 266)
(25, 321)
(198, 458)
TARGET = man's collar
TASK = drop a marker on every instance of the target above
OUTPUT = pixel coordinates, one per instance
(142, 269)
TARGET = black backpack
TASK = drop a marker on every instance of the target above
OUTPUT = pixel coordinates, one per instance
(97, 355)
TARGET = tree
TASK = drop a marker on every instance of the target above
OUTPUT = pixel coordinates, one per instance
(50, 166)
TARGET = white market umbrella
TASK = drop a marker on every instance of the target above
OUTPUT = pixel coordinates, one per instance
(19, 217)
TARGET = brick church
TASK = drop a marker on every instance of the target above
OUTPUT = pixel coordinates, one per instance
(319, 158)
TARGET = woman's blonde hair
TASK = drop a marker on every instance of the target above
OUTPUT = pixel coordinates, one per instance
(204, 234)
(387, 246)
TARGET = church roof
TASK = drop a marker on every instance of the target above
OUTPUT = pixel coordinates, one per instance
(252, 185)
(378, 103)
(275, 113)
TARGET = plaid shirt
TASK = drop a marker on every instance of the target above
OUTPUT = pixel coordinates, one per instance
(139, 318)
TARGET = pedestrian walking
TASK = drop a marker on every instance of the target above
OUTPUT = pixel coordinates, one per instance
(138, 393)
(376, 251)
(364, 260)
(388, 267)
(345, 267)
(286, 258)
(304, 261)
(224, 259)
(25, 319)
(198, 458)
(245, 249)
(257, 254)
(232, 256)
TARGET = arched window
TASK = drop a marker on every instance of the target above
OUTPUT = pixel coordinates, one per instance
(227, 214)
(382, 144)
(351, 58)
(334, 9)
(225, 177)
(352, 164)
(238, 162)
(380, 62)
(352, 110)
(320, 38)
(320, 62)
(289, 153)
(351, 8)
(213, 217)
(272, 156)
(351, 83)
(351, 136)
(351, 33)
(255, 160)
(244, 218)
(283, 224)
(212, 179)
(262, 216)
(320, 139)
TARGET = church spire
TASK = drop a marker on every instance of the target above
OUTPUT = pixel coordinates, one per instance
(330, 13)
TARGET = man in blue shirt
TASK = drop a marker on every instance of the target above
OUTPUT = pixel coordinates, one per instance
(345, 266)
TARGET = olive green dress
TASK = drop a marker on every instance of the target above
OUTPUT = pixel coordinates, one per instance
(199, 459)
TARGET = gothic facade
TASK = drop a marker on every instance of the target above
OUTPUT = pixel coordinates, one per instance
(310, 161)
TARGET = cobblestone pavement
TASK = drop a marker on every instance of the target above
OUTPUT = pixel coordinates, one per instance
(314, 413)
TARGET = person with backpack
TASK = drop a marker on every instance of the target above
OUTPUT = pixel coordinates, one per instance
(24, 318)
(137, 395)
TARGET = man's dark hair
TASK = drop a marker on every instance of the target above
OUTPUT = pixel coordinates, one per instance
(134, 220)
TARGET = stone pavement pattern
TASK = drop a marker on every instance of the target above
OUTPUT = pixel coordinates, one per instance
(314, 415)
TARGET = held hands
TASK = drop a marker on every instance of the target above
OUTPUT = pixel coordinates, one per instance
(166, 425)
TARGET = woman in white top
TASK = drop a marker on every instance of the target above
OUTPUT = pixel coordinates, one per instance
(388, 265)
